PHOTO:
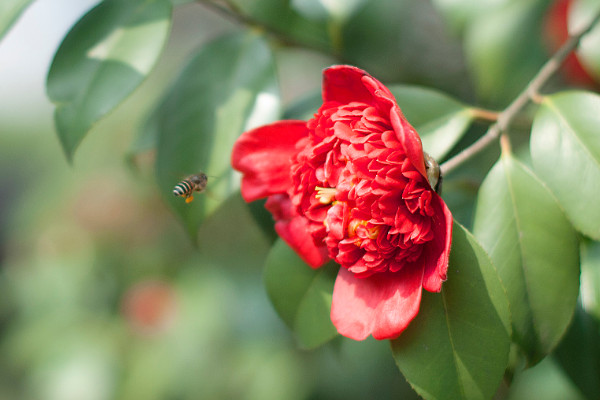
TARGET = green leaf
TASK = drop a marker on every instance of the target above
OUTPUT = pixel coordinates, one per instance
(282, 17)
(10, 11)
(579, 353)
(457, 347)
(301, 295)
(388, 39)
(459, 13)
(106, 55)
(590, 278)
(305, 107)
(504, 49)
(440, 120)
(536, 252)
(337, 10)
(228, 87)
(565, 148)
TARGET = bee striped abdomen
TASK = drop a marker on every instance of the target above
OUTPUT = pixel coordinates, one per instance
(183, 188)
(192, 183)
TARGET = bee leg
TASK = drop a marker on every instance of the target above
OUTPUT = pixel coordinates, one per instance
(189, 199)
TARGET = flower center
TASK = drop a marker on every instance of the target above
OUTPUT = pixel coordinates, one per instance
(361, 229)
(325, 195)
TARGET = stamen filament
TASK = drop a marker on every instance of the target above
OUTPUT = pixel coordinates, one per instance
(325, 195)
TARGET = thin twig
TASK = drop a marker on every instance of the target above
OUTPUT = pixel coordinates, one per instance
(483, 114)
(531, 92)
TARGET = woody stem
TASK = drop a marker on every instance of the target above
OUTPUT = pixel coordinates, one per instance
(530, 92)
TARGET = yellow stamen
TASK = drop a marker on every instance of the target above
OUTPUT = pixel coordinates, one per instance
(325, 195)
(372, 232)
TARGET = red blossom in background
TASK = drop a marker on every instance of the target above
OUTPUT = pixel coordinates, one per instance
(351, 185)
(556, 32)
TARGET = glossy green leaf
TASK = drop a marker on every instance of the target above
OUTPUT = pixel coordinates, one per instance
(504, 49)
(228, 87)
(457, 347)
(565, 148)
(10, 11)
(536, 252)
(440, 120)
(106, 55)
(301, 295)
(579, 353)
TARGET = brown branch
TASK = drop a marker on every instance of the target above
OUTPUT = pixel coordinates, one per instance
(506, 117)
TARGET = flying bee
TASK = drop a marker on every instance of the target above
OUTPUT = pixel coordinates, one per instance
(191, 184)
(434, 174)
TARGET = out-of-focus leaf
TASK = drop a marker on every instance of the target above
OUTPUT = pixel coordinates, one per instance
(106, 55)
(440, 120)
(305, 108)
(460, 186)
(228, 87)
(10, 10)
(459, 13)
(338, 10)
(535, 250)
(301, 295)
(281, 16)
(457, 347)
(579, 353)
(406, 41)
(504, 49)
(545, 381)
(565, 148)
(588, 51)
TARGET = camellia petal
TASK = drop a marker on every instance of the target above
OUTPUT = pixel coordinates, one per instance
(381, 305)
(438, 253)
(409, 139)
(343, 84)
(263, 155)
(294, 230)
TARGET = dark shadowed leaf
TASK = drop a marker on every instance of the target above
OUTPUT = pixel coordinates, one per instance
(536, 252)
(457, 347)
(579, 353)
(301, 295)
(106, 55)
(439, 119)
(590, 277)
(228, 87)
(565, 148)
(10, 10)
(405, 41)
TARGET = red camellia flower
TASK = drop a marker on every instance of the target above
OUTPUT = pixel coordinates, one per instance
(351, 185)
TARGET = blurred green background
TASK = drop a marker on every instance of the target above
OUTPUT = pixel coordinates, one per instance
(102, 293)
